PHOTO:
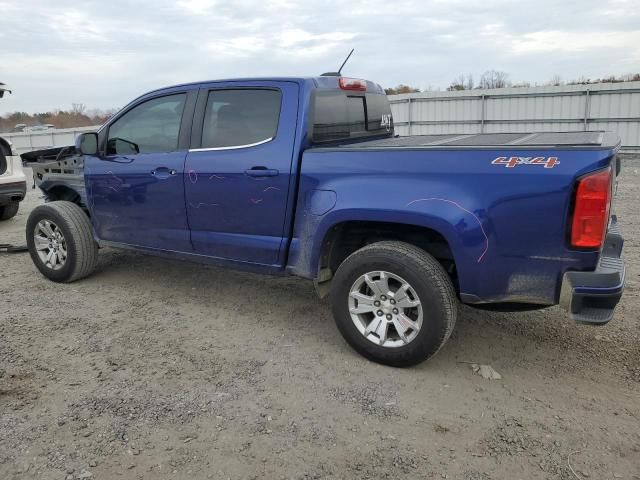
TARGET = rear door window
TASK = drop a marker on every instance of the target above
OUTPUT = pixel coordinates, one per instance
(240, 117)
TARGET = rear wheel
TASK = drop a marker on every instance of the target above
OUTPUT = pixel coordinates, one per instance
(60, 241)
(9, 211)
(393, 303)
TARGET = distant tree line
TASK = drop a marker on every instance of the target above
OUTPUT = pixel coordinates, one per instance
(77, 116)
(401, 89)
(500, 79)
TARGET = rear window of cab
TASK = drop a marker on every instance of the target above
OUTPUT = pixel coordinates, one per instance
(344, 115)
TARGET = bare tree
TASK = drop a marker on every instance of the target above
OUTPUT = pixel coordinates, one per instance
(401, 89)
(470, 83)
(461, 83)
(457, 84)
(581, 80)
(556, 80)
(494, 79)
(631, 77)
(78, 108)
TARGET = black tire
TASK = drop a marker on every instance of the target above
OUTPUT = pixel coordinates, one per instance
(9, 211)
(425, 275)
(3, 161)
(82, 249)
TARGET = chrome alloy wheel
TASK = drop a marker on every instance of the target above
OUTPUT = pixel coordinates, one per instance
(50, 244)
(385, 308)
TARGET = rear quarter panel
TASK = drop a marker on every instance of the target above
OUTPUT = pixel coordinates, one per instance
(506, 227)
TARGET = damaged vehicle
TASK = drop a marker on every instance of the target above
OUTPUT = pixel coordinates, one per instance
(305, 177)
(13, 183)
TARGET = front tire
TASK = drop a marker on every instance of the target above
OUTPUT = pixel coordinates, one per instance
(9, 211)
(60, 241)
(394, 303)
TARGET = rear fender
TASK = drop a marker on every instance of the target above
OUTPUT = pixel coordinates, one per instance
(463, 230)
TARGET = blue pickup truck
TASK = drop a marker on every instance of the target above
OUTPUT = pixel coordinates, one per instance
(305, 177)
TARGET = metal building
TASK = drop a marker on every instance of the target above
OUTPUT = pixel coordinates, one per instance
(602, 106)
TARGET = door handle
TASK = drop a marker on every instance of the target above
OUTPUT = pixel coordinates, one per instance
(261, 172)
(163, 172)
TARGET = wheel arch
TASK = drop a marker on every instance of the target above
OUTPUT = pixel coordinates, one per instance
(337, 236)
(63, 192)
(346, 237)
(5, 147)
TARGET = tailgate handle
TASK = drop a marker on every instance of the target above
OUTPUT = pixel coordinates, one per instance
(261, 172)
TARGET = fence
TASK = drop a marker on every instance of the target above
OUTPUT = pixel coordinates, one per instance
(28, 141)
(602, 106)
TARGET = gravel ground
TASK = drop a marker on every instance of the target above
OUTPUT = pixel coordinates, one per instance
(160, 369)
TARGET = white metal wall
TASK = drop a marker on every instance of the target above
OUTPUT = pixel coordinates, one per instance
(28, 141)
(601, 106)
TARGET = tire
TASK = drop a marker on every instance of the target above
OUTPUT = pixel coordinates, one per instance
(74, 228)
(9, 211)
(3, 161)
(426, 285)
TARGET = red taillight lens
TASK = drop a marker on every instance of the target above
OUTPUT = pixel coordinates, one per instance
(352, 84)
(591, 212)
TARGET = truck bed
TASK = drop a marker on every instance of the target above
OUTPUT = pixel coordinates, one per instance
(528, 141)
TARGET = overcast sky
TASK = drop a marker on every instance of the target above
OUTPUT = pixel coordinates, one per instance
(104, 53)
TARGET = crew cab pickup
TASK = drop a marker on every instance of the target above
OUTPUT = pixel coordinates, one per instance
(304, 176)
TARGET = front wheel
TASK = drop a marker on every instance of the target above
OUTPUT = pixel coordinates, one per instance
(60, 241)
(394, 303)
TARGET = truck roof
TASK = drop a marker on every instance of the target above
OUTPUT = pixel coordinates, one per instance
(328, 82)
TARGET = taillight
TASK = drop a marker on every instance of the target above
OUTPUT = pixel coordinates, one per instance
(591, 211)
(352, 84)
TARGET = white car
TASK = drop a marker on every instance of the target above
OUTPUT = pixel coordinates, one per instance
(13, 183)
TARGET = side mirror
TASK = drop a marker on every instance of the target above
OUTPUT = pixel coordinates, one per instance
(87, 143)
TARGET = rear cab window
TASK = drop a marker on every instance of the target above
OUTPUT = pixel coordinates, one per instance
(339, 115)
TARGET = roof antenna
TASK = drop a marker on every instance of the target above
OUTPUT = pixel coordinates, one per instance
(338, 73)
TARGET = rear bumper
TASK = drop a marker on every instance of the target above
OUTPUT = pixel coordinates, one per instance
(591, 297)
(14, 191)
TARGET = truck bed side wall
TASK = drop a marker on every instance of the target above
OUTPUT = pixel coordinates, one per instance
(506, 227)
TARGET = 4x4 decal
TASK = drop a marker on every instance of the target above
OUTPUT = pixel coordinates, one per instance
(512, 162)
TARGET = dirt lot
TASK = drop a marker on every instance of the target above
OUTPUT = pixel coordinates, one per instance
(159, 369)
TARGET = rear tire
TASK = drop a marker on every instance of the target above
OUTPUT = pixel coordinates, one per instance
(413, 303)
(9, 211)
(60, 241)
